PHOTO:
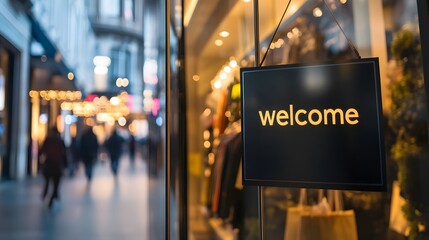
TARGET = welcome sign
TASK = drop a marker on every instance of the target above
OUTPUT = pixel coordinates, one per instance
(314, 126)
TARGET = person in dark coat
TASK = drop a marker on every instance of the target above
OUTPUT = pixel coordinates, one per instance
(114, 147)
(54, 152)
(132, 148)
(89, 151)
(73, 156)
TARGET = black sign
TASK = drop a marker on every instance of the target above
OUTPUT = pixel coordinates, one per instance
(314, 126)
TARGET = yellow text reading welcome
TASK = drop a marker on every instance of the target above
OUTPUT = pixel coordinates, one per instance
(314, 117)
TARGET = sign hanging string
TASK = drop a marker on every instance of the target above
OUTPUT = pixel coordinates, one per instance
(275, 32)
(351, 45)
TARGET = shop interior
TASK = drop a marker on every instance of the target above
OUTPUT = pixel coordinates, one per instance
(220, 41)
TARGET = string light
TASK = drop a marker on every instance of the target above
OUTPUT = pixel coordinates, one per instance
(49, 95)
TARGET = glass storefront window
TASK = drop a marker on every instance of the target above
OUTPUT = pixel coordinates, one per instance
(219, 42)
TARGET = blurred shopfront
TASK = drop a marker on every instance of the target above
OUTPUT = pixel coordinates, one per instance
(219, 40)
(14, 103)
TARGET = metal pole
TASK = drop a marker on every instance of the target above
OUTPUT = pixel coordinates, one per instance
(168, 117)
(261, 212)
(260, 192)
(256, 30)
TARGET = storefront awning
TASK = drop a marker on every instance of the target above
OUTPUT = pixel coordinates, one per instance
(44, 79)
(49, 72)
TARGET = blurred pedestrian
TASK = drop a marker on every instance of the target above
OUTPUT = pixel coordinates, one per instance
(114, 147)
(73, 156)
(53, 151)
(132, 148)
(89, 151)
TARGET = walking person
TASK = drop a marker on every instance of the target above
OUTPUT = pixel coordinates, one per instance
(114, 147)
(89, 151)
(54, 152)
(132, 148)
(73, 156)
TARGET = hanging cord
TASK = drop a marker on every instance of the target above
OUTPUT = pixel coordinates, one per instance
(274, 34)
(352, 46)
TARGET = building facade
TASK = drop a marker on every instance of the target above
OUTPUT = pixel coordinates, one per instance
(118, 28)
(15, 36)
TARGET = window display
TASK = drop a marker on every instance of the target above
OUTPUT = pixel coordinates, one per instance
(308, 34)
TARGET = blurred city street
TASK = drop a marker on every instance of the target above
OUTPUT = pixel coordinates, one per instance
(106, 209)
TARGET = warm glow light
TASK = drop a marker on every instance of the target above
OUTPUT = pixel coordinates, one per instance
(227, 114)
(211, 159)
(33, 93)
(196, 78)
(207, 172)
(189, 12)
(125, 82)
(246, 1)
(218, 42)
(223, 75)
(100, 70)
(206, 134)
(60, 123)
(343, 1)
(295, 31)
(317, 12)
(119, 82)
(224, 34)
(207, 112)
(52, 94)
(233, 63)
(89, 122)
(227, 69)
(111, 121)
(207, 144)
(217, 84)
(101, 61)
(70, 76)
(66, 106)
(114, 101)
(56, 95)
(104, 117)
(293, 9)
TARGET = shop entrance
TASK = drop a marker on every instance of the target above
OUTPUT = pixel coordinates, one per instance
(7, 58)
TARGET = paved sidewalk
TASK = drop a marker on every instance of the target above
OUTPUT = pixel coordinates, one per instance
(107, 209)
